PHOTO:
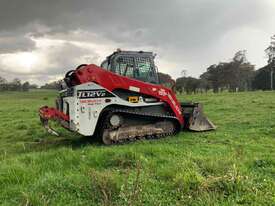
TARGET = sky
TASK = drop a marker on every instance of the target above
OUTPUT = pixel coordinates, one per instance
(41, 40)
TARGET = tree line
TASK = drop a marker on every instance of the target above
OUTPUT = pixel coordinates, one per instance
(235, 75)
(15, 85)
(238, 74)
(56, 85)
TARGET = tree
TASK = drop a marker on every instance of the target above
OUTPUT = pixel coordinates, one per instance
(33, 86)
(236, 75)
(3, 84)
(204, 85)
(188, 84)
(15, 85)
(183, 73)
(214, 76)
(25, 86)
(166, 80)
(240, 56)
(270, 51)
(262, 79)
(52, 85)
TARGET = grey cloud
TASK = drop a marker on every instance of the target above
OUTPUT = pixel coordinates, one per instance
(164, 19)
(67, 57)
(10, 43)
(180, 31)
(16, 13)
(60, 59)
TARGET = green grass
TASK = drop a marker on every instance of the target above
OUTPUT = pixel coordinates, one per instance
(234, 165)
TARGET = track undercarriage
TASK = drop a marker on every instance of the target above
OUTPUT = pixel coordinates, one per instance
(122, 126)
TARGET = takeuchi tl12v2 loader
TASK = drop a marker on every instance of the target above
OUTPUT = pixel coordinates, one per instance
(120, 101)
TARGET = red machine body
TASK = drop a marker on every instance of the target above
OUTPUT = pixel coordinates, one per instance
(112, 81)
(122, 100)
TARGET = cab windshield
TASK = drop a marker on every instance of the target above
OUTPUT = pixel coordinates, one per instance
(141, 68)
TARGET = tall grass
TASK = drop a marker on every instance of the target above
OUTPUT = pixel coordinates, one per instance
(233, 165)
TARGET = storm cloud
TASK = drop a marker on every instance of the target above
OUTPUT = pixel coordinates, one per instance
(186, 34)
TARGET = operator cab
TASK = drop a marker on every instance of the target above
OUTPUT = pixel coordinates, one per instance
(138, 65)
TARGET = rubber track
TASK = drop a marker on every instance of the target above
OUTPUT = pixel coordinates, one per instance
(156, 136)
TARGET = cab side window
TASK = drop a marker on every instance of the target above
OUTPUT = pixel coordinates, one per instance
(105, 65)
(125, 66)
(145, 70)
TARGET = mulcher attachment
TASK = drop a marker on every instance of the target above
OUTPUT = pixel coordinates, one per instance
(194, 118)
(45, 123)
(47, 113)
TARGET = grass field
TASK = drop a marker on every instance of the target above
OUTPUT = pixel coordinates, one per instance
(234, 165)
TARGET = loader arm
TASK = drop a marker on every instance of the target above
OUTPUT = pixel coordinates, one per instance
(112, 81)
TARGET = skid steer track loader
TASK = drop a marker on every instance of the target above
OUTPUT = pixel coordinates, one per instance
(121, 101)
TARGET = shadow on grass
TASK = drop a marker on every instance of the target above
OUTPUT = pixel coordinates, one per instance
(57, 142)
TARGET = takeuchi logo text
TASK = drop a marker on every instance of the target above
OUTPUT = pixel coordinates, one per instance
(100, 93)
